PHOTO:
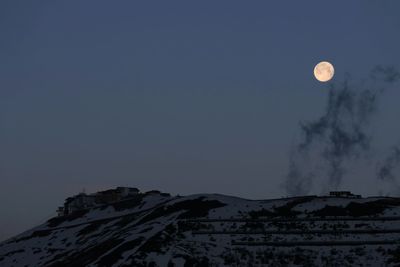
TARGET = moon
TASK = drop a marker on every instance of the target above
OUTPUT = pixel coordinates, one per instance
(324, 71)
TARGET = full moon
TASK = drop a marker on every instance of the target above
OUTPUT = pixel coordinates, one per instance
(324, 71)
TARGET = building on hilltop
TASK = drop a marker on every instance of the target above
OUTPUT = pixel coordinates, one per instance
(347, 194)
(112, 195)
(153, 192)
(60, 211)
(127, 191)
(84, 201)
(78, 202)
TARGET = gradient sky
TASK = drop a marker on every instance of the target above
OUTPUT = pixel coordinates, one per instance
(181, 96)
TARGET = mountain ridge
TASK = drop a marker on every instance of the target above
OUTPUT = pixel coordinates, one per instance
(158, 229)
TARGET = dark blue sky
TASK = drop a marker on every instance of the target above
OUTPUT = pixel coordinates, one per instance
(181, 96)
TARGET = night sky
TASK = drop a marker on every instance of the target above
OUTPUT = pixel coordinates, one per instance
(181, 96)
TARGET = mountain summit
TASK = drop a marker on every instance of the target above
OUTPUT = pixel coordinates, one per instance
(131, 228)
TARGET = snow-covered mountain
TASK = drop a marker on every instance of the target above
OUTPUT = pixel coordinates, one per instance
(157, 229)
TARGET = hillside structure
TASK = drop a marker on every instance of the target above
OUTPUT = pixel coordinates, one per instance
(86, 201)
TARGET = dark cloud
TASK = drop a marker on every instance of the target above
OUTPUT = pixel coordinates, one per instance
(298, 182)
(386, 168)
(341, 134)
(388, 74)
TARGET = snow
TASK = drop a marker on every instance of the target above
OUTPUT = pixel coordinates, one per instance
(40, 245)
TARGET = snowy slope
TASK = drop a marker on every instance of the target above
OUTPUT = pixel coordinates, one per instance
(216, 230)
